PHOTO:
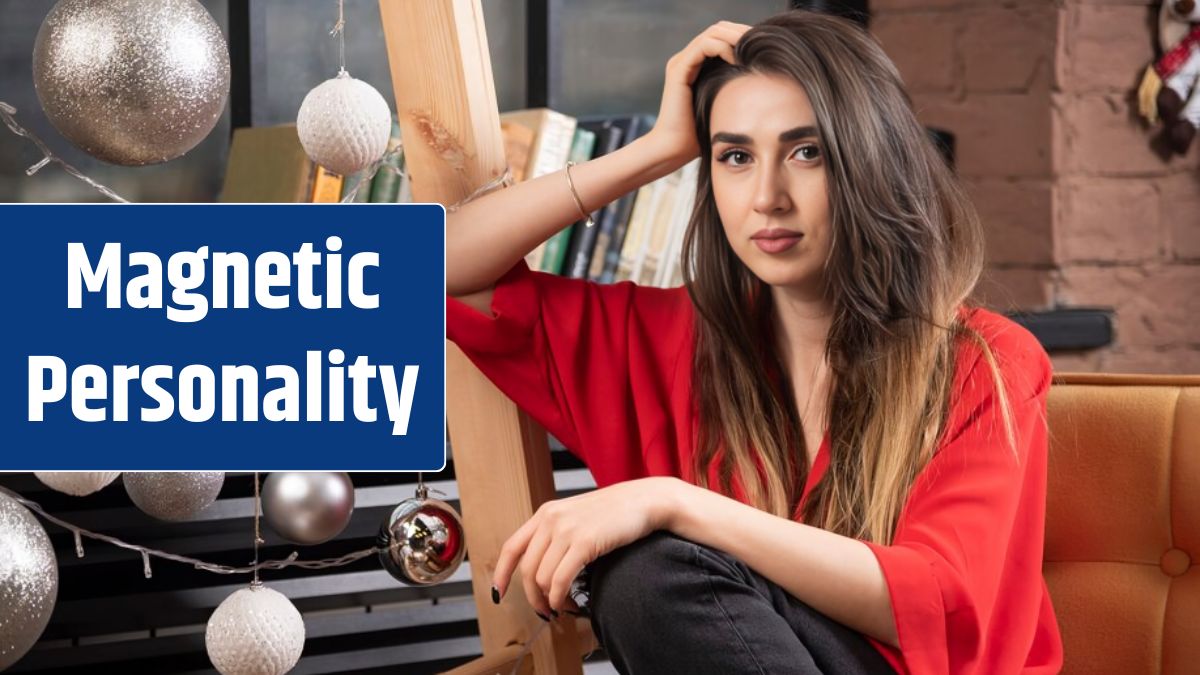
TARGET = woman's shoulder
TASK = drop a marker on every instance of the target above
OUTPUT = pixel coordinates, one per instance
(1018, 354)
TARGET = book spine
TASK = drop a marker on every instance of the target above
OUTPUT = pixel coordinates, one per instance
(386, 185)
(556, 247)
(608, 256)
(553, 148)
(583, 239)
(327, 186)
(644, 204)
(668, 273)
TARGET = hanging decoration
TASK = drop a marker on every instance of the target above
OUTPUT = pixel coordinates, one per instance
(344, 123)
(8, 115)
(28, 580)
(132, 82)
(308, 508)
(422, 540)
(255, 631)
(1170, 87)
(77, 483)
(173, 496)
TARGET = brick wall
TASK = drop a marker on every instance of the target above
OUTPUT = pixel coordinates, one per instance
(1079, 210)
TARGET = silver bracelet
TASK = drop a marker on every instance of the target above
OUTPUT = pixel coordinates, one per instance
(583, 214)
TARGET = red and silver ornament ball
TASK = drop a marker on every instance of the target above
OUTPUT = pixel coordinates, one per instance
(422, 540)
(132, 82)
(344, 124)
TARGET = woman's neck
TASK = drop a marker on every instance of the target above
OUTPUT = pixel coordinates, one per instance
(802, 321)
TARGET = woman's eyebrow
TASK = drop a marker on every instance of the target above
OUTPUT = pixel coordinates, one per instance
(742, 139)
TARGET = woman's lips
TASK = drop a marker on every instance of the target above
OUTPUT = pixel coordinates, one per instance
(776, 240)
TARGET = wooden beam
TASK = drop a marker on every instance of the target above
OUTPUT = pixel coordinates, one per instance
(450, 124)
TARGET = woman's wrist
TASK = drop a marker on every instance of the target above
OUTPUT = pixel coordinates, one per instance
(670, 496)
(664, 155)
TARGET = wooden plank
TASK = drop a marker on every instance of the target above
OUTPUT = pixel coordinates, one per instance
(446, 104)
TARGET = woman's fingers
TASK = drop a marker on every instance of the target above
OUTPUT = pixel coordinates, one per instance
(568, 568)
(511, 553)
(529, 566)
(546, 568)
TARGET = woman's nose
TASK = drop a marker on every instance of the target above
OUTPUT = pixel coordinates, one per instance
(770, 191)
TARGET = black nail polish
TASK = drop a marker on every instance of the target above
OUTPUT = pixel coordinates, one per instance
(495, 595)
(541, 616)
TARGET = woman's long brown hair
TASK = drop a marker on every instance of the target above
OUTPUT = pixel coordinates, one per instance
(907, 251)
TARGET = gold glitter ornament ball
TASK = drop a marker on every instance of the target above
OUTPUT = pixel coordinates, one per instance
(132, 82)
(28, 580)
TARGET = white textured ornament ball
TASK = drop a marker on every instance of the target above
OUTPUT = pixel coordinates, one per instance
(174, 495)
(132, 82)
(344, 124)
(255, 631)
(77, 483)
(28, 580)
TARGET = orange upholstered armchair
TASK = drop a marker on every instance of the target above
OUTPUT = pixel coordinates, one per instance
(1123, 522)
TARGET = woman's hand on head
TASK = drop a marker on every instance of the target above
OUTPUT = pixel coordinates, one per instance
(675, 129)
(553, 546)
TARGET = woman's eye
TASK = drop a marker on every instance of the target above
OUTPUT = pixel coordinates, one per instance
(733, 157)
(808, 153)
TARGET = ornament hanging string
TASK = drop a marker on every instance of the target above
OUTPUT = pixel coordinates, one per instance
(339, 30)
(8, 114)
(147, 553)
(258, 540)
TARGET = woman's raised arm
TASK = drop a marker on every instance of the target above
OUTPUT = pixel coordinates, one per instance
(487, 236)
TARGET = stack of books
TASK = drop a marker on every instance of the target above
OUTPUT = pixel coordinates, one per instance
(268, 165)
(637, 237)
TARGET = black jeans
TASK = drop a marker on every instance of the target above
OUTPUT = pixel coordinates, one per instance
(668, 605)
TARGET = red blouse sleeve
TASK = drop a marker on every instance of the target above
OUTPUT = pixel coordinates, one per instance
(590, 362)
(964, 570)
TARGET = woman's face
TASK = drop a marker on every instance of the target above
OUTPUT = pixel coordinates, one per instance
(768, 179)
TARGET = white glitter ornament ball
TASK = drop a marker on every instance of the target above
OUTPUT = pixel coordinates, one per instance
(77, 483)
(344, 124)
(132, 82)
(174, 495)
(28, 580)
(255, 631)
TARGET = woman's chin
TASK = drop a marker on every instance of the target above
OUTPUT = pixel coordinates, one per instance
(783, 274)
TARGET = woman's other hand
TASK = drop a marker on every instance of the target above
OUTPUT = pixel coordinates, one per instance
(553, 546)
(675, 129)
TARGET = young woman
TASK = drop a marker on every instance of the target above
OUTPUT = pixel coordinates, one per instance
(813, 457)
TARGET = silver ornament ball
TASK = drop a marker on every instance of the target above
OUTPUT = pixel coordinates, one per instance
(132, 82)
(173, 496)
(344, 124)
(255, 631)
(77, 483)
(28, 580)
(422, 541)
(308, 508)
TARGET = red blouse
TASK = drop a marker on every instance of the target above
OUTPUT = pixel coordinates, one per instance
(606, 368)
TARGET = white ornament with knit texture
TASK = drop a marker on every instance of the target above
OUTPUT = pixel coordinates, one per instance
(77, 483)
(344, 124)
(255, 631)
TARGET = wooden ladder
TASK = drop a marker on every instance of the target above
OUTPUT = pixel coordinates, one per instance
(446, 104)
